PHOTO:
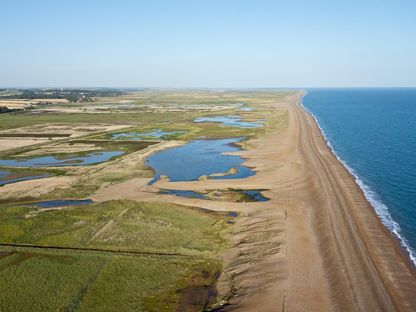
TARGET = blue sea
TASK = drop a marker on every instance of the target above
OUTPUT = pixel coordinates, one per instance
(373, 132)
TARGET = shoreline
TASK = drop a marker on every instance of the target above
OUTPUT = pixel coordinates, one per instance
(371, 250)
(379, 207)
(316, 245)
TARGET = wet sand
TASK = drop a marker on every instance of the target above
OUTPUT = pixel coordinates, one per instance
(317, 245)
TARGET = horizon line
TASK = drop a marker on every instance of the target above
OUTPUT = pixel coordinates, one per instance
(207, 88)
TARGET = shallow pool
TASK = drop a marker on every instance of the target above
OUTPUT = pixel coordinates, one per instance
(61, 203)
(246, 109)
(58, 161)
(232, 121)
(199, 158)
(184, 193)
(7, 177)
(155, 134)
(248, 195)
(254, 195)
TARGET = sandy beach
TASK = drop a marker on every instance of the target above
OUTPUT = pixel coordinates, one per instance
(317, 245)
(366, 269)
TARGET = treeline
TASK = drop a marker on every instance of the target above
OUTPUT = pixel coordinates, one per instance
(72, 95)
(4, 110)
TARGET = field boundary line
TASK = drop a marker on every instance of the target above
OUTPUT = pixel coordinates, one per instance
(114, 251)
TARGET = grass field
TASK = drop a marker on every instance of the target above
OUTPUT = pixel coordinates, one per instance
(126, 147)
(16, 120)
(116, 225)
(85, 280)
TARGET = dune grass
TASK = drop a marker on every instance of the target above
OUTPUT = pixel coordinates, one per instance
(116, 225)
(109, 278)
(16, 120)
(148, 284)
(32, 281)
(39, 280)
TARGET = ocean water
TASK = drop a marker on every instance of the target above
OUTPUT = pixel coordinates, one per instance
(373, 132)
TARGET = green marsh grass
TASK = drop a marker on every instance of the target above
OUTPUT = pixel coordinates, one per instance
(116, 225)
(36, 280)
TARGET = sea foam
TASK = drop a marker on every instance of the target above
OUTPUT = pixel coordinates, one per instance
(372, 197)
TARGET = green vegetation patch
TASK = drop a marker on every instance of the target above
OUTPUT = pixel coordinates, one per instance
(19, 172)
(72, 95)
(124, 256)
(120, 225)
(44, 280)
(188, 131)
(33, 281)
(100, 145)
(110, 145)
(16, 120)
(147, 284)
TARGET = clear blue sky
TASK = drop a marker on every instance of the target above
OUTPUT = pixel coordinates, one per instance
(207, 43)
